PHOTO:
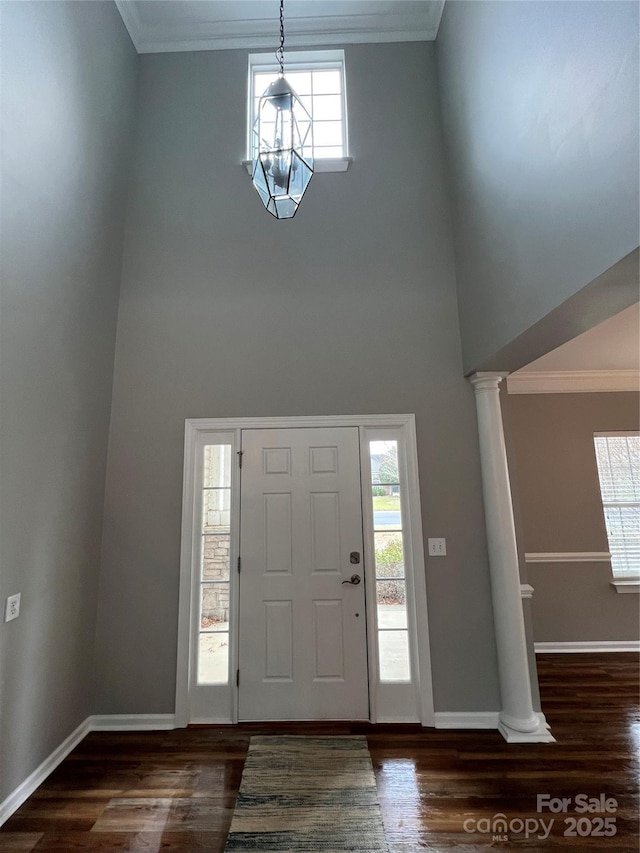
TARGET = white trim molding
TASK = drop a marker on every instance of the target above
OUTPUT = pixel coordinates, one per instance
(572, 381)
(197, 430)
(588, 646)
(17, 797)
(466, 719)
(303, 30)
(132, 722)
(98, 723)
(626, 584)
(568, 557)
(320, 164)
(491, 720)
(526, 590)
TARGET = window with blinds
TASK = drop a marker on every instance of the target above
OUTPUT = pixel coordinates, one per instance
(618, 460)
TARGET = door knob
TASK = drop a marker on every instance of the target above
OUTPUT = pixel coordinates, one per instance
(354, 579)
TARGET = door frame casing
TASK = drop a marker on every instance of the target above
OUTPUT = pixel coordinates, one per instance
(195, 429)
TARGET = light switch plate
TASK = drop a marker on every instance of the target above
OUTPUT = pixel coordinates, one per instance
(437, 547)
(12, 610)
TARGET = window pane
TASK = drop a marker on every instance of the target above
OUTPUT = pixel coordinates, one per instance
(214, 614)
(216, 557)
(216, 515)
(321, 92)
(392, 604)
(213, 659)
(327, 132)
(327, 152)
(262, 81)
(267, 134)
(326, 107)
(300, 81)
(393, 651)
(217, 465)
(389, 555)
(618, 462)
(623, 532)
(327, 82)
(387, 513)
(384, 462)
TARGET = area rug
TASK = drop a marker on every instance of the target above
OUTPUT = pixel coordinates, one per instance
(307, 794)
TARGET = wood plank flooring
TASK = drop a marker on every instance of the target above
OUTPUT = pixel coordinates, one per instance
(175, 791)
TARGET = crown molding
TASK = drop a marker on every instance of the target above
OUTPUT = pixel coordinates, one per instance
(573, 381)
(261, 33)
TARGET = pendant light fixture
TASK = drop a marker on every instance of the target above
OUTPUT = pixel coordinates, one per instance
(282, 144)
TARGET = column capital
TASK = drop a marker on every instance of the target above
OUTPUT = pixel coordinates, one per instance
(487, 380)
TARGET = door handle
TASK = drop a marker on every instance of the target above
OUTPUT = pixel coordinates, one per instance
(354, 579)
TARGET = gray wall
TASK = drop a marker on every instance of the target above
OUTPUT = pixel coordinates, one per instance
(551, 438)
(348, 308)
(540, 106)
(68, 79)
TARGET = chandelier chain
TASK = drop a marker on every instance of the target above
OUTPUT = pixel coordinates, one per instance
(280, 51)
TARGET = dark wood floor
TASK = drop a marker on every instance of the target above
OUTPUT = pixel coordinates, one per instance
(175, 791)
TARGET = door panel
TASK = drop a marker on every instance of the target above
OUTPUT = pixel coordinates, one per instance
(302, 640)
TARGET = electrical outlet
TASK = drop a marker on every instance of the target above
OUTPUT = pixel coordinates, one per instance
(12, 610)
(437, 547)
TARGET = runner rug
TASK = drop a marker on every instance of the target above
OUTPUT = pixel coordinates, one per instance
(307, 794)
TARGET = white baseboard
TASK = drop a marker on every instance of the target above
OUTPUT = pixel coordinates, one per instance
(466, 719)
(131, 722)
(98, 723)
(491, 720)
(17, 797)
(589, 646)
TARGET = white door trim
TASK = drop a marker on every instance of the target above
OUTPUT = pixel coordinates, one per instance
(194, 428)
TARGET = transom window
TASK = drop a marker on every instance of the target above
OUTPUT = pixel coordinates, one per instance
(618, 460)
(318, 79)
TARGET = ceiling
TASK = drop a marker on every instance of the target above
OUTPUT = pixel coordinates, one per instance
(160, 26)
(612, 345)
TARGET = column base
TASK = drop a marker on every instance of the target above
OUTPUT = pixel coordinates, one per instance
(540, 735)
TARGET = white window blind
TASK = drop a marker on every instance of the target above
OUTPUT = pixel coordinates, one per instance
(618, 461)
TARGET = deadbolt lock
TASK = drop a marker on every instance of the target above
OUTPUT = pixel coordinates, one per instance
(354, 557)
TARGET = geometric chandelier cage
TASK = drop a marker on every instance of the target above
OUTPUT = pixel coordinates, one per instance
(283, 144)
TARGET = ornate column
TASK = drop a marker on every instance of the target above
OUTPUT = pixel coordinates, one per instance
(518, 721)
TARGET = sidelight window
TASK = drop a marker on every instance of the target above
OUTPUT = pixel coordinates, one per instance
(215, 565)
(390, 578)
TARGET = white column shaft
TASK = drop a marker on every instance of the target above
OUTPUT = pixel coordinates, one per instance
(515, 688)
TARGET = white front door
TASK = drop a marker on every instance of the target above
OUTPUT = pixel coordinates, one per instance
(302, 637)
